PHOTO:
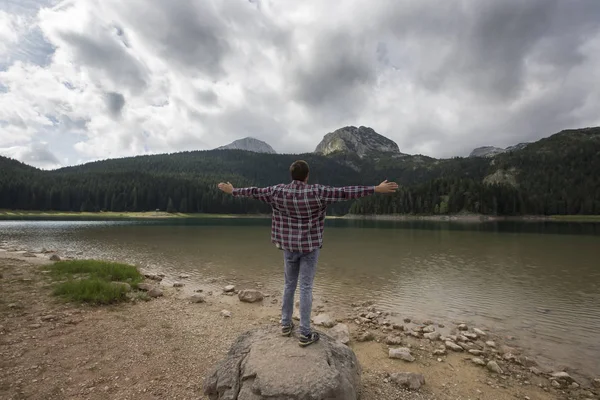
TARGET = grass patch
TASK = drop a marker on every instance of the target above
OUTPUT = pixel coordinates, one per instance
(92, 290)
(90, 281)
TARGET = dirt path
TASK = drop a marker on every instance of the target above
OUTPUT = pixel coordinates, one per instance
(163, 348)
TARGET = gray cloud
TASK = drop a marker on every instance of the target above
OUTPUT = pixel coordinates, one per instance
(36, 154)
(115, 103)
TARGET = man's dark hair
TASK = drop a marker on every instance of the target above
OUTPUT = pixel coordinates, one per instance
(299, 170)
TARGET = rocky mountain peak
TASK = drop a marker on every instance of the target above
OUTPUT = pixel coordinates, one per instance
(249, 144)
(360, 141)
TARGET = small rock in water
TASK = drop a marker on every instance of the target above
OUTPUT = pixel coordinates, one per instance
(453, 346)
(177, 284)
(476, 352)
(393, 340)
(341, 333)
(324, 320)
(463, 327)
(229, 288)
(250, 296)
(226, 313)
(407, 320)
(54, 257)
(562, 375)
(429, 329)
(366, 337)
(155, 292)
(401, 353)
(197, 298)
(494, 367)
(491, 343)
(479, 332)
(433, 336)
(478, 361)
(409, 380)
(184, 276)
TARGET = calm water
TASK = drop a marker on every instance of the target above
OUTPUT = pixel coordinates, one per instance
(537, 281)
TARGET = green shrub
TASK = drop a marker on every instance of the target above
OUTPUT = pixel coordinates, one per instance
(108, 271)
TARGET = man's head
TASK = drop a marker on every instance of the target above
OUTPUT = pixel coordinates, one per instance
(299, 171)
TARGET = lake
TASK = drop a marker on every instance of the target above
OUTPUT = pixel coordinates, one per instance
(537, 281)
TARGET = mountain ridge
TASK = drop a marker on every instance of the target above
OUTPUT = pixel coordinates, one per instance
(249, 144)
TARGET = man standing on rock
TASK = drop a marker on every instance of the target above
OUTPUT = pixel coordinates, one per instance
(297, 229)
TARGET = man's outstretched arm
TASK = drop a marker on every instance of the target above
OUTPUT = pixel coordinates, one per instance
(337, 194)
(262, 194)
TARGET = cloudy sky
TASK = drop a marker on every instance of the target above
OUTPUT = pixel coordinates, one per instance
(93, 79)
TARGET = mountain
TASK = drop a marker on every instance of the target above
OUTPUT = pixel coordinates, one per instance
(556, 175)
(491, 151)
(249, 144)
(361, 141)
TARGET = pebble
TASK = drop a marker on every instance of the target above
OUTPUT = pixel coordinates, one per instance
(393, 340)
(479, 332)
(145, 287)
(398, 327)
(415, 334)
(440, 352)
(428, 329)
(478, 361)
(341, 333)
(155, 292)
(409, 380)
(463, 327)
(562, 375)
(596, 382)
(54, 257)
(433, 336)
(494, 367)
(226, 313)
(401, 353)
(556, 384)
(197, 298)
(229, 288)
(324, 320)
(470, 336)
(491, 343)
(366, 337)
(177, 284)
(184, 276)
(476, 352)
(453, 346)
(407, 320)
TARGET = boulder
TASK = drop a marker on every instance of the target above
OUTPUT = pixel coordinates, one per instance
(409, 380)
(250, 296)
(402, 353)
(324, 320)
(341, 333)
(54, 257)
(263, 365)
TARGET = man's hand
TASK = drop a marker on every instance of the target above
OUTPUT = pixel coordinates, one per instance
(226, 187)
(386, 187)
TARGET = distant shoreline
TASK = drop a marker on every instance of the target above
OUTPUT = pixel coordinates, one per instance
(8, 215)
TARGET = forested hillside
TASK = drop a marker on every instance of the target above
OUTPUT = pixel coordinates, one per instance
(557, 175)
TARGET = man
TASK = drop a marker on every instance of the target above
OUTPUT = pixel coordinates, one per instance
(297, 229)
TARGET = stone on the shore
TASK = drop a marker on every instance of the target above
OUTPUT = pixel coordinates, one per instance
(415, 334)
(124, 285)
(562, 376)
(470, 336)
(463, 327)
(476, 352)
(407, 320)
(428, 329)
(440, 352)
(153, 277)
(183, 276)
(54, 257)
(145, 287)
(494, 367)
(535, 371)
(393, 340)
(161, 274)
(596, 383)
(398, 327)
(409, 380)
(250, 296)
(324, 320)
(341, 333)
(479, 332)
(453, 346)
(366, 337)
(29, 255)
(177, 284)
(226, 313)
(155, 292)
(228, 288)
(433, 336)
(401, 353)
(478, 361)
(555, 384)
(491, 343)
(198, 298)
(256, 365)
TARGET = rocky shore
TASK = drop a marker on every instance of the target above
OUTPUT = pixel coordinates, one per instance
(165, 347)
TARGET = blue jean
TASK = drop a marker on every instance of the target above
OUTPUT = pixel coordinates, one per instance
(299, 266)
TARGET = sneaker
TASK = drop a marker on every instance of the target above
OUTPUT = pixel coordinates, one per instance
(307, 340)
(287, 329)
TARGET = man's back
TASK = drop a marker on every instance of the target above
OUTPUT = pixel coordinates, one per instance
(299, 211)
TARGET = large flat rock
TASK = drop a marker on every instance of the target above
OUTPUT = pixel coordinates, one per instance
(261, 364)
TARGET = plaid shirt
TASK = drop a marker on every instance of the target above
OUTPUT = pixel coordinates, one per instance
(299, 211)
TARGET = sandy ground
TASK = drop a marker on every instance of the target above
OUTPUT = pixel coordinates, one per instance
(163, 348)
